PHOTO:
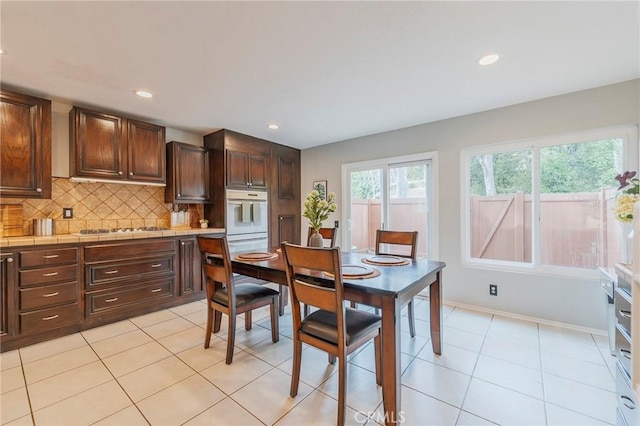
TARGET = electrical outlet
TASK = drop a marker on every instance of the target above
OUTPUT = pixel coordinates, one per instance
(335, 224)
(493, 289)
(67, 213)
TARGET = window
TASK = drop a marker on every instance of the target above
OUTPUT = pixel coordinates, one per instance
(547, 204)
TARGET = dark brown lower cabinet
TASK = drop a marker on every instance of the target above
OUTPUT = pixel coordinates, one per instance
(55, 290)
(190, 270)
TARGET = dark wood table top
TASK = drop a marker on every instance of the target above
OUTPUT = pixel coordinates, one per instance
(393, 280)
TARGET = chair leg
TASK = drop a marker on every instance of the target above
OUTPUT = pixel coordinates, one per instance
(217, 320)
(231, 337)
(247, 320)
(275, 321)
(284, 294)
(207, 336)
(377, 311)
(354, 305)
(342, 388)
(332, 359)
(377, 344)
(297, 361)
(412, 322)
(306, 310)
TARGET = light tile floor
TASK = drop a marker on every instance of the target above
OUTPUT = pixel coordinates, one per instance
(153, 370)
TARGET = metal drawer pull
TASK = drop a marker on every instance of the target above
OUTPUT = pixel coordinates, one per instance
(155, 290)
(50, 318)
(115, 271)
(626, 353)
(626, 314)
(156, 265)
(50, 256)
(51, 294)
(111, 300)
(50, 274)
(628, 402)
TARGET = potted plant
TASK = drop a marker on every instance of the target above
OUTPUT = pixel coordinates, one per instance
(204, 223)
(317, 210)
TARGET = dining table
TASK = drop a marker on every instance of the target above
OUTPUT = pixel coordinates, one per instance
(389, 289)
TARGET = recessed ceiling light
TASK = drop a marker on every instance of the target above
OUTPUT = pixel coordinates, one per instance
(143, 94)
(273, 126)
(489, 59)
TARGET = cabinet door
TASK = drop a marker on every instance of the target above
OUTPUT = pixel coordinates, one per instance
(258, 171)
(237, 169)
(285, 205)
(7, 289)
(287, 229)
(146, 152)
(190, 273)
(25, 148)
(97, 145)
(188, 172)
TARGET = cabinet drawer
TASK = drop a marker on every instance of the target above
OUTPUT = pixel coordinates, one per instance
(627, 403)
(623, 309)
(50, 318)
(623, 349)
(126, 251)
(48, 275)
(37, 258)
(128, 298)
(117, 271)
(50, 295)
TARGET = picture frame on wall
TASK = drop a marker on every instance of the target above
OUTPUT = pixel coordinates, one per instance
(321, 187)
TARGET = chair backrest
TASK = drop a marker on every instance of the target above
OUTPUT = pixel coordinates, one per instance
(394, 239)
(216, 265)
(304, 267)
(328, 234)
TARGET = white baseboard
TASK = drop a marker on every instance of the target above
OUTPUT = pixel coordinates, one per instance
(524, 317)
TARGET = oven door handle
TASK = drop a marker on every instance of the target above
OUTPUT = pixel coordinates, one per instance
(239, 202)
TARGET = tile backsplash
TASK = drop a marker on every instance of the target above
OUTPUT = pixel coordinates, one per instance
(100, 205)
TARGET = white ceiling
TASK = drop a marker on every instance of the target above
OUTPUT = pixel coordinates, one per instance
(323, 71)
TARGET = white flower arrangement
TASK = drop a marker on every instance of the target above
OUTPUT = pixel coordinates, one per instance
(629, 193)
(317, 210)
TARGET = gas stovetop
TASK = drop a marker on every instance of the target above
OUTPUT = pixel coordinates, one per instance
(121, 230)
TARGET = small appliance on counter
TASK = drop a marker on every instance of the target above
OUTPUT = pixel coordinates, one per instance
(43, 227)
(11, 222)
(180, 220)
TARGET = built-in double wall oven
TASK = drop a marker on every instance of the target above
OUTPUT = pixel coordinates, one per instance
(247, 217)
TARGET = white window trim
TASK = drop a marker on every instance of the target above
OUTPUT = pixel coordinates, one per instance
(434, 238)
(629, 134)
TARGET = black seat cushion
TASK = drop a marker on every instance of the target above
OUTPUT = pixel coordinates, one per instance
(324, 324)
(245, 293)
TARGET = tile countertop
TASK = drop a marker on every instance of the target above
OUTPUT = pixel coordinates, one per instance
(69, 238)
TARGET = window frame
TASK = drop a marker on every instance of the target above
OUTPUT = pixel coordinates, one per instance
(629, 136)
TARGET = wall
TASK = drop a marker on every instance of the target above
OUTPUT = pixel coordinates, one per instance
(573, 301)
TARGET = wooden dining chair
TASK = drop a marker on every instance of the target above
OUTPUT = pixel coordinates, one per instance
(224, 296)
(328, 234)
(333, 328)
(401, 244)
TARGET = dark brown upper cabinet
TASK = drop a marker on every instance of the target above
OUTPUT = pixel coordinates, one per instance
(109, 147)
(188, 179)
(246, 158)
(25, 147)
